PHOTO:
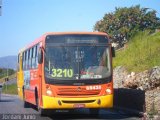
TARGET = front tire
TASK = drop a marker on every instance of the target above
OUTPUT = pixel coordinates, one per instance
(25, 103)
(41, 111)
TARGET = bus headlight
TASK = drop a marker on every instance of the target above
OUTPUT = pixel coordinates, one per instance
(49, 92)
(18, 89)
(108, 91)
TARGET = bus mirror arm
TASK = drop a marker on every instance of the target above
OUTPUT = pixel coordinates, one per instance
(42, 48)
(113, 52)
(40, 56)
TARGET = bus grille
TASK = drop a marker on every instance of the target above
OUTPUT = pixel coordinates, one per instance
(76, 92)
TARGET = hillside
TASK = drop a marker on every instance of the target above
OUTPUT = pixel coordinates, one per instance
(8, 62)
(142, 53)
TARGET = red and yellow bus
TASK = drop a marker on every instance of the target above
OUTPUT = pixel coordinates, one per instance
(67, 71)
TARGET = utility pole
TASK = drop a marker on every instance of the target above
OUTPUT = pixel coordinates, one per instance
(6, 80)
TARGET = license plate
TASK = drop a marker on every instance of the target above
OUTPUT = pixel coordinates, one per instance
(79, 105)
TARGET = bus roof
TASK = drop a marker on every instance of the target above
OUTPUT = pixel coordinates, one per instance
(79, 33)
(42, 38)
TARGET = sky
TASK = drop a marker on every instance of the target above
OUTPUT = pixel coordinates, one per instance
(22, 21)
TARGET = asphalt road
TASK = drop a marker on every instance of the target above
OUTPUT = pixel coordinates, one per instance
(11, 108)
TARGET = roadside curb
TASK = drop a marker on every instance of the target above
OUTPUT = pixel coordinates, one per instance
(9, 95)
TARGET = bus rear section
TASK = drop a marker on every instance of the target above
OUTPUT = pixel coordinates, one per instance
(20, 80)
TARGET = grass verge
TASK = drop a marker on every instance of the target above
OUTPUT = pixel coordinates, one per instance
(10, 89)
(141, 53)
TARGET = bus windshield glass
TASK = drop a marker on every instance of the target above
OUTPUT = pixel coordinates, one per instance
(77, 57)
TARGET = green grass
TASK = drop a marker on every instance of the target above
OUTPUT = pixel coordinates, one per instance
(142, 53)
(11, 89)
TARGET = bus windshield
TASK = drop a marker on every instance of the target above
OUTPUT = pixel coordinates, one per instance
(76, 60)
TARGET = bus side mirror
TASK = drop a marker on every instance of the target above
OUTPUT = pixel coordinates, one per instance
(40, 56)
(113, 52)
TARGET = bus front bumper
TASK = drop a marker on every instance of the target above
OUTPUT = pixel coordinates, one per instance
(69, 103)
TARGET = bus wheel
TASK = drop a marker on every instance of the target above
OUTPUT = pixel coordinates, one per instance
(94, 111)
(25, 103)
(40, 110)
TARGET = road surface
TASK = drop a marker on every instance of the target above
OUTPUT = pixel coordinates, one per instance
(11, 108)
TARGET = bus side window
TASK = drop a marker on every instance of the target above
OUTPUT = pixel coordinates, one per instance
(23, 60)
(33, 57)
(27, 54)
(30, 59)
(36, 56)
(18, 62)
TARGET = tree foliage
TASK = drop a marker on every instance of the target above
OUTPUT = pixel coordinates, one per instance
(125, 22)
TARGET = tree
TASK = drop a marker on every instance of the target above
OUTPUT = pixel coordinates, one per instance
(125, 22)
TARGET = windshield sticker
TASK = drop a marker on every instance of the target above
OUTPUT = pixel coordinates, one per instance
(86, 75)
(67, 73)
(90, 76)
